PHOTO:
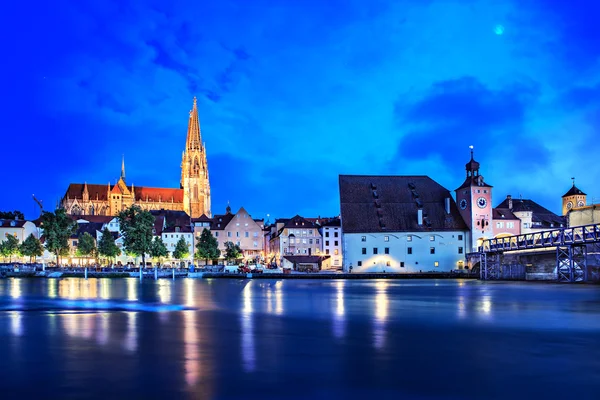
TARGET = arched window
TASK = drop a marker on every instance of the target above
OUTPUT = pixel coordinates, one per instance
(76, 210)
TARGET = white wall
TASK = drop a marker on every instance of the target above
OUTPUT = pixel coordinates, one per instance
(446, 246)
(329, 246)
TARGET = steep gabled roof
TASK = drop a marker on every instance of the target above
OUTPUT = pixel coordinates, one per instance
(538, 213)
(574, 191)
(503, 213)
(391, 204)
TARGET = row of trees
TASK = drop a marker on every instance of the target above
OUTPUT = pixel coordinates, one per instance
(137, 229)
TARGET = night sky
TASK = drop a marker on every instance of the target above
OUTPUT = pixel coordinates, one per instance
(293, 93)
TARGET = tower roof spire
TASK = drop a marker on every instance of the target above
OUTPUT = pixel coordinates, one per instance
(193, 141)
(123, 168)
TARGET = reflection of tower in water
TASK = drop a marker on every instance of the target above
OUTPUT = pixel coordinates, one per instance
(191, 344)
(339, 319)
(248, 351)
(381, 314)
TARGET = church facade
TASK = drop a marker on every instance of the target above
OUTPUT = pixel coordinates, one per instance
(192, 196)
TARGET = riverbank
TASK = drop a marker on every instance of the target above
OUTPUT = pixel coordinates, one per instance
(221, 275)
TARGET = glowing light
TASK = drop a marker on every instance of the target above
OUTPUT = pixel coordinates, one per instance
(131, 337)
(381, 314)
(132, 289)
(278, 298)
(189, 293)
(499, 29)
(339, 320)
(192, 353)
(248, 351)
(52, 288)
(16, 323)
(15, 288)
(164, 290)
(486, 305)
(104, 288)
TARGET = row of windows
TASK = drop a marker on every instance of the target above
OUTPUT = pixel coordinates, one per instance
(237, 234)
(389, 263)
(335, 252)
(509, 225)
(335, 243)
(335, 234)
(300, 232)
(303, 241)
(409, 250)
(409, 238)
(300, 251)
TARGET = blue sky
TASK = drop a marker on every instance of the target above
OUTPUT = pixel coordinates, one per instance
(293, 93)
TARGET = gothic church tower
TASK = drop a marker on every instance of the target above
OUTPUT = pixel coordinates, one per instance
(194, 170)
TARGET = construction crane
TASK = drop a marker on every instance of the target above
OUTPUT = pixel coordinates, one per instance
(39, 203)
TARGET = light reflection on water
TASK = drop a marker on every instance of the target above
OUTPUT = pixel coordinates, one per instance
(381, 314)
(339, 319)
(252, 326)
(248, 351)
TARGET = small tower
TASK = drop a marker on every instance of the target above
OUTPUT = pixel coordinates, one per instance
(573, 199)
(123, 168)
(474, 199)
(194, 170)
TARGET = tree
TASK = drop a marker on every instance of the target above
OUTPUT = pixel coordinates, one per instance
(208, 246)
(136, 227)
(31, 247)
(158, 249)
(9, 247)
(232, 251)
(58, 228)
(181, 249)
(12, 215)
(107, 246)
(86, 245)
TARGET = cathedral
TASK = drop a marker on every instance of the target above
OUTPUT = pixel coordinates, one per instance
(193, 195)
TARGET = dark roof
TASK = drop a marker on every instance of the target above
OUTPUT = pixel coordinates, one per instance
(177, 229)
(173, 217)
(202, 218)
(574, 191)
(539, 214)
(299, 222)
(503, 213)
(219, 222)
(88, 227)
(142, 193)
(12, 223)
(390, 204)
(333, 222)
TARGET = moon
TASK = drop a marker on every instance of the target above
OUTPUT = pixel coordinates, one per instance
(499, 29)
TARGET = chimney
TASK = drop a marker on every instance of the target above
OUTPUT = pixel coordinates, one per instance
(509, 198)
(420, 216)
(447, 204)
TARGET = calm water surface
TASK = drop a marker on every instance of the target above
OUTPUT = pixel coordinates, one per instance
(297, 339)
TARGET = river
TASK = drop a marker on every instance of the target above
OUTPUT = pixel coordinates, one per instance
(297, 339)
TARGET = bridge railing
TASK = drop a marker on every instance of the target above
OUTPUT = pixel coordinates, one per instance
(542, 239)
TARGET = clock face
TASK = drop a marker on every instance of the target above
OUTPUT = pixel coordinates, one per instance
(570, 205)
(580, 203)
(463, 204)
(481, 202)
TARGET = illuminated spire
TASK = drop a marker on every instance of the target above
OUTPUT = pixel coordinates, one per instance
(123, 168)
(193, 141)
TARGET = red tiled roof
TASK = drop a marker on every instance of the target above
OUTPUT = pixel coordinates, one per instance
(75, 191)
(202, 218)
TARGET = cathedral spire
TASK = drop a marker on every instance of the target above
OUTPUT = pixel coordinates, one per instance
(123, 168)
(193, 141)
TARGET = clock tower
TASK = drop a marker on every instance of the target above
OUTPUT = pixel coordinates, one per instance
(474, 199)
(574, 198)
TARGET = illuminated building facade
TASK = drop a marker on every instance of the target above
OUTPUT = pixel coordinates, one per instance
(239, 228)
(332, 241)
(474, 199)
(400, 224)
(193, 195)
